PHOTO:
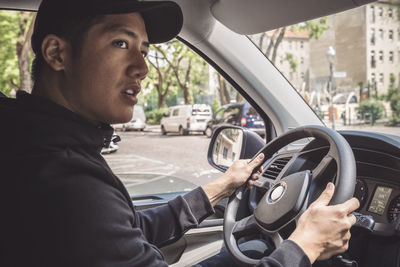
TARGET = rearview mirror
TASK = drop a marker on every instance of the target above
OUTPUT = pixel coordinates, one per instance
(230, 143)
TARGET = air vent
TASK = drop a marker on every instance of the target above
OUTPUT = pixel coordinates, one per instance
(276, 167)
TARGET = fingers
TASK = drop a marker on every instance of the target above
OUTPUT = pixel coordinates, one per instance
(349, 206)
(251, 181)
(256, 161)
(326, 196)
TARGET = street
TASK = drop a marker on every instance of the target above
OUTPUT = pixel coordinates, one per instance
(184, 157)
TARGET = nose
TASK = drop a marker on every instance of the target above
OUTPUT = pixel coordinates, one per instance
(138, 68)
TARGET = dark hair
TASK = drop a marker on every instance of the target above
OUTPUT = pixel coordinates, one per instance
(74, 32)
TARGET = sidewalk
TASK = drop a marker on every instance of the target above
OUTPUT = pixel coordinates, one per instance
(152, 128)
(378, 128)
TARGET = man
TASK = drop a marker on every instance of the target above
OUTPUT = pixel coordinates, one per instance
(62, 204)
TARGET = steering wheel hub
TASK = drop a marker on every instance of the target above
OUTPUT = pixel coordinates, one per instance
(276, 193)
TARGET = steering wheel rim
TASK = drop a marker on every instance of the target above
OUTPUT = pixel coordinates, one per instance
(339, 150)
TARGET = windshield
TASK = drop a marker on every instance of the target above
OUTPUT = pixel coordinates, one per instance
(345, 66)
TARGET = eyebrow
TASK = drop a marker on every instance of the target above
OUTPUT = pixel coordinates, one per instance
(122, 29)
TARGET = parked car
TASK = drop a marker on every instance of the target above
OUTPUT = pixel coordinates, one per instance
(112, 146)
(138, 121)
(184, 119)
(239, 114)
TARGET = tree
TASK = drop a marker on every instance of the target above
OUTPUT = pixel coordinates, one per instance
(23, 48)
(315, 29)
(176, 68)
(160, 73)
(185, 64)
(15, 34)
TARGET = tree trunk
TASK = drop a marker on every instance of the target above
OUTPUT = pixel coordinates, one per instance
(23, 48)
(223, 91)
(271, 43)
(239, 97)
(261, 40)
(161, 76)
(277, 43)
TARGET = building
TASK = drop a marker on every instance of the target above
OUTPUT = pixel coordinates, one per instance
(369, 37)
(292, 55)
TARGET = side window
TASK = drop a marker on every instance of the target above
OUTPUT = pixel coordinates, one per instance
(232, 115)
(175, 112)
(219, 114)
(251, 112)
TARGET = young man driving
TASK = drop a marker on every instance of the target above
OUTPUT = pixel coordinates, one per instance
(62, 205)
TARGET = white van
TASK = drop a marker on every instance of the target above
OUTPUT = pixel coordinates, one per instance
(138, 121)
(183, 119)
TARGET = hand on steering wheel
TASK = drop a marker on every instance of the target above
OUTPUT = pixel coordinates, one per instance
(289, 197)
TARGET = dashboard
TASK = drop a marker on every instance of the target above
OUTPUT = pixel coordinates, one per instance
(378, 173)
(377, 188)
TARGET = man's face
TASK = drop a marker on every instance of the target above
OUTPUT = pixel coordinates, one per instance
(102, 80)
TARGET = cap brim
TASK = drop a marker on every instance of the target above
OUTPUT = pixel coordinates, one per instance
(163, 19)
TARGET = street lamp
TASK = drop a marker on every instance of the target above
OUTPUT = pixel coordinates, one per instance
(330, 53)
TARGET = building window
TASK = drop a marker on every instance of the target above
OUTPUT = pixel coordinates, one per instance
(290, 44)
(381, 77)
(373, 77)
(302, 75)
(381, 34)
(380, 12)
(301, 44)
(372, 36)
(390, 13)
(390, 35)
(302, 60)
(391, 57)
(373, 61)
(381, 56)
(372, 9)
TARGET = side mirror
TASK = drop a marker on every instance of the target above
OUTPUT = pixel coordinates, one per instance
(165, 114)
(230, 143)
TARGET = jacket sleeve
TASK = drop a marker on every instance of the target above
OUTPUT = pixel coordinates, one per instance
(91, 224)
(288, 254)
(165, 224)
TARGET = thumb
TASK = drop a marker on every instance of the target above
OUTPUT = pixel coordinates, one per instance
(256, 161)
(326, 195)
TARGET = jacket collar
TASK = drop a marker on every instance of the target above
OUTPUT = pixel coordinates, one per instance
(52, 125)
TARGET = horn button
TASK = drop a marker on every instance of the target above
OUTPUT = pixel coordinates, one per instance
(283, 202)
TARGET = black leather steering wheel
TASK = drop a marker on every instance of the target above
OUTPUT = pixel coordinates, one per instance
(287, 199)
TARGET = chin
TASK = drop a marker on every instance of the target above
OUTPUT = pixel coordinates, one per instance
(121, 118)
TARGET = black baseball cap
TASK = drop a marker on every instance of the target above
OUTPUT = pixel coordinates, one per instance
(163, 19)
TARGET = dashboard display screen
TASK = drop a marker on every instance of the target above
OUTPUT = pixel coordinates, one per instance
(380, 200)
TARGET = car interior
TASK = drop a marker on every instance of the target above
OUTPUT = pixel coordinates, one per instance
(299, 148)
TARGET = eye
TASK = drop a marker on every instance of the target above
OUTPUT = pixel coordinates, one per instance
(121, 44)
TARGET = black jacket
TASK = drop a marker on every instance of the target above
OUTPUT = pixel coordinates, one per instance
(61, 205)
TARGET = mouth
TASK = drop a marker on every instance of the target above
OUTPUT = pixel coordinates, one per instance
(131, 94)
(132, 91)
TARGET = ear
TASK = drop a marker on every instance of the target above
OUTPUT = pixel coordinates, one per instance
(55, 51)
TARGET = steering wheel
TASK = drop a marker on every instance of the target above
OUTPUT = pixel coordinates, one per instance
(288, 198)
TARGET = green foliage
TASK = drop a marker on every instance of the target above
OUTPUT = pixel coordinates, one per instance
(292, 62)
(394, 120)
(393, 96)
(215, 105)
(315, 28)
(8, 57)
(155, 116)
(373, 109)
(191, 70)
